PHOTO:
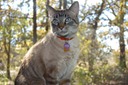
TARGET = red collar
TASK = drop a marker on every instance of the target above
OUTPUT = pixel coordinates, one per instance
(63, 38)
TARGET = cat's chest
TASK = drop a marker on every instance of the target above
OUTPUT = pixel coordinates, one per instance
(58, 62)
(55, 49)
(56, 53)
(61, 67)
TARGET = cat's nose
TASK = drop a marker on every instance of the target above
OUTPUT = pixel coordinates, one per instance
(61, 26)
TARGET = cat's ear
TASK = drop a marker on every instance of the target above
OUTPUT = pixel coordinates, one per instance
(51, 10)
(75, 8)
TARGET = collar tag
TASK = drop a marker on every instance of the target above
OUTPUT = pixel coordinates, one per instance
(66, 47)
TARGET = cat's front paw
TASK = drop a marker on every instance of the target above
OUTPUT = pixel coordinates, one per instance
(65, 82)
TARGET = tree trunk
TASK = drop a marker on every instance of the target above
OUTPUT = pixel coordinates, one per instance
(64, 4)
(34, 22)
(93, 44)
(8, 65)
(71, 1)
(60, 4)
(7, 51)
(122, 49)
(47, 22)
(121, 40)
(93, 48)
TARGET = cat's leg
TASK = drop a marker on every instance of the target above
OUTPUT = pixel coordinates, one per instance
(38, 82)
(21, 80)
(65, 82)
(52, 81)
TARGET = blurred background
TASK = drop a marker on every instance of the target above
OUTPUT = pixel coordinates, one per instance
(103, 33)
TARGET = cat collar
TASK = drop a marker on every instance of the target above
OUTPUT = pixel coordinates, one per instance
(63, 38)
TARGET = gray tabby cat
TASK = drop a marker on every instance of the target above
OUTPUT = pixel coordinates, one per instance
(51, 61)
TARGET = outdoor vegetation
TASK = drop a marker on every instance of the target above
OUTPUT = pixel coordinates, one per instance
(103, 34)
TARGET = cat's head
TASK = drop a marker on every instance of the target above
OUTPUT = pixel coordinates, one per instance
(64, 22)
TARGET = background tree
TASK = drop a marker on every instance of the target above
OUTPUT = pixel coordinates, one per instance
(120, 21)
(34, 22)
(11, 23)
(60, 4)
(64, 4)
(47, 22)
(100, 24)
(119, 13)
(93, 22)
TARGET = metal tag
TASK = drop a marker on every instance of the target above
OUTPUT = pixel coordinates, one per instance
(66, 46)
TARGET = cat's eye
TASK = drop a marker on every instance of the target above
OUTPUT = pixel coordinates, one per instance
(67, 20)
(55, 22)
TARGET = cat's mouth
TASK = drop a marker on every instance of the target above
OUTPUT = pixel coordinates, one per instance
(62, 34)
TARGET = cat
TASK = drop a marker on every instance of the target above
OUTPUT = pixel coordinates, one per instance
(51, 61)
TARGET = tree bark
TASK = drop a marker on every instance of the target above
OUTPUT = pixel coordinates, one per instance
(7, 51)
(47, 21)
(34, 23)
(119, 21)
(64, 4)
(60, 4)
(8, 63)
(122, 49)
(121, 38)
(7, 46)
(71, 1)
(93, 44)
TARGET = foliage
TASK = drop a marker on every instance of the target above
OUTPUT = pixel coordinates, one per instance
(103, 75)
(99, 26)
